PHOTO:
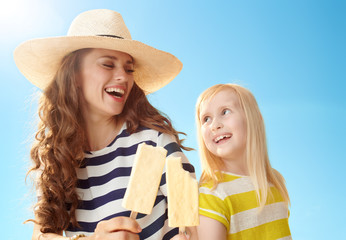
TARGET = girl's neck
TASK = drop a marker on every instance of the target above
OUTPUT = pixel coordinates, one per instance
(236, 166)
(102, 131)
(238, 170)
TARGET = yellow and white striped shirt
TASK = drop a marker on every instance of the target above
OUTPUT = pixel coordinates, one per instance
(234, 204)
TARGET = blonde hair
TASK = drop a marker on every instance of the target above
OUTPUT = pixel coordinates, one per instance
(259, 167)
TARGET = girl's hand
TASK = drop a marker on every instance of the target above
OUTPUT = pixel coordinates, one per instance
(116, 228)
(191, 234)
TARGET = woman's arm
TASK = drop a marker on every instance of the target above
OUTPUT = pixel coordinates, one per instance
(115, 228)
(211, 229)
(38, 235)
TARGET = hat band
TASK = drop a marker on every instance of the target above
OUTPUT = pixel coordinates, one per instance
(113, 36)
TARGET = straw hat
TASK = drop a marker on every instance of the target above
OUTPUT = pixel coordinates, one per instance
(39, 59)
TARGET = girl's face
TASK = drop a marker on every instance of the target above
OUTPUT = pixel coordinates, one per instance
(106, 79)
(223, 125)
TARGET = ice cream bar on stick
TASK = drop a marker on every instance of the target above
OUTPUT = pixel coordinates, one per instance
(145, 179)
(182, 196)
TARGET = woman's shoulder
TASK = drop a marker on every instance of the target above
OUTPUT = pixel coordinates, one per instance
(145, 134)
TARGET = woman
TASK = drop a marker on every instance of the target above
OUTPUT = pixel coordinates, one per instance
(94, 113)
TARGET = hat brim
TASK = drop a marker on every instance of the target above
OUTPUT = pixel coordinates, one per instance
(39, 59)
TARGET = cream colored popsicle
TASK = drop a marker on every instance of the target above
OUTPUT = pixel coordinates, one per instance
(182, 195)
(145, 179)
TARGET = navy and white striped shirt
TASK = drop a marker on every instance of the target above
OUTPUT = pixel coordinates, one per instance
(104, 176)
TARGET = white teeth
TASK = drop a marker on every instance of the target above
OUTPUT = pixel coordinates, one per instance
(221, 137)
(118, 90)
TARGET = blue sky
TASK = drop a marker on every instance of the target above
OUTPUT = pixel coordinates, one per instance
(290, 54)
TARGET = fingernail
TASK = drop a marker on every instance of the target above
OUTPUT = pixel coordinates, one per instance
(186, 235)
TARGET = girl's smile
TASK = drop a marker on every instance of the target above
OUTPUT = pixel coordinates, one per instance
(222, 138)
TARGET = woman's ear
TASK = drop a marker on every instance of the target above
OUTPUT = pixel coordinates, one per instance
(78, 80)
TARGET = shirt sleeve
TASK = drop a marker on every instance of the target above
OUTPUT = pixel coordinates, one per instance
(212, 206)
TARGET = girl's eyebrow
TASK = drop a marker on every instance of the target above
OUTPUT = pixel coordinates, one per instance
(220, 108)
(203, 114)
(115, 58)
(230, 104)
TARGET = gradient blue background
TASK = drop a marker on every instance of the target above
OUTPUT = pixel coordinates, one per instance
(290, 54)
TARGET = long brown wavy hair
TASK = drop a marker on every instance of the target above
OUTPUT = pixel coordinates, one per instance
(61, 142)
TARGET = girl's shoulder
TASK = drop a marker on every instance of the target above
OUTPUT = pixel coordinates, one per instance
(224, 177)
(229, 184)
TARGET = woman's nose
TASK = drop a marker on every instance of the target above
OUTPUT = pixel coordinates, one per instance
(120, 74)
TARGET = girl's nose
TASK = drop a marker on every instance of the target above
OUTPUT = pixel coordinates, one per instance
(216, 124)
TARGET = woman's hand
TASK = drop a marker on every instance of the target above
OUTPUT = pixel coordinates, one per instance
(116, 228)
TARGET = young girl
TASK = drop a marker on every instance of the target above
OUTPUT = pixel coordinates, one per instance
(241, 195)
(94, 113)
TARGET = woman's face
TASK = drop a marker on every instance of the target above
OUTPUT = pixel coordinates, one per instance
(106, 79)
(223, 125)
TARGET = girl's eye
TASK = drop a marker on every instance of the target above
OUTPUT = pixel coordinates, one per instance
(225, 111)
(206, 119)
(130, 71)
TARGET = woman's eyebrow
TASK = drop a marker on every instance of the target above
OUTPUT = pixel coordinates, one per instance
(115, 58)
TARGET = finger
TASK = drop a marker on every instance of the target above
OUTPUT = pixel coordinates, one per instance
(115, 235)
(118, 224)
(181, 237)
(125, 235)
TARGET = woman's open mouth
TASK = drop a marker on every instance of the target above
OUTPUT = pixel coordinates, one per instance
(115, 92)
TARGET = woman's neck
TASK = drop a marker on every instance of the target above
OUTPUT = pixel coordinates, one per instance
(102, 131)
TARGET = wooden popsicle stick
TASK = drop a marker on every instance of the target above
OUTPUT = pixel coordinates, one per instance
(133, 214)
(182, 230)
